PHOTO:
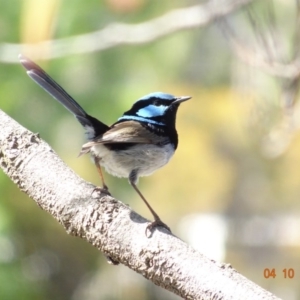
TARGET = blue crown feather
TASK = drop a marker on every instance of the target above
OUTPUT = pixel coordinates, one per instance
(160, 95)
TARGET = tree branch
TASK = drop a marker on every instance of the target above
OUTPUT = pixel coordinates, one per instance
(258, 58)
(266, 54)
(113, 227)
(116, 34)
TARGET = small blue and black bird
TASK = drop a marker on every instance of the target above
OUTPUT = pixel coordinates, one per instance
(140, 142)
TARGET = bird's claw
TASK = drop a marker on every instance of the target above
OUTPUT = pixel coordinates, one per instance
(111, 261)
(104, 190)
(157, 222)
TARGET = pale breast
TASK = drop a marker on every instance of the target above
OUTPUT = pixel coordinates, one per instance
(145, 158)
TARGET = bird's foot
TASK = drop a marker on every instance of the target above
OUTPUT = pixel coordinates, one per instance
(103, 189)
(155, 223)
(111, 261)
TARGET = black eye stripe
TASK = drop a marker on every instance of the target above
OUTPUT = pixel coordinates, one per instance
(153, 101)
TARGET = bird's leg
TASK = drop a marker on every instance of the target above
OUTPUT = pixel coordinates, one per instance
(157, 221)
(105, 188)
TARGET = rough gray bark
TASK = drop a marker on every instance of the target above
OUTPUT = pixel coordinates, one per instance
(113, 227)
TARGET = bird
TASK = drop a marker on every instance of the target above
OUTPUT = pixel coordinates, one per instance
(141, 141)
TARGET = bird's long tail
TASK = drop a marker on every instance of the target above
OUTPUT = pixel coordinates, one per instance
(92, 126)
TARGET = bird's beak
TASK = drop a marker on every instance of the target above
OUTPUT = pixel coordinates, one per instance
(181, 99)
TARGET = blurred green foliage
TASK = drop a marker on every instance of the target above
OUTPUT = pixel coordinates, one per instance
(222, 166)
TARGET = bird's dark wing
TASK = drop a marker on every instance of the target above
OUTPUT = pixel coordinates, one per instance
(129, 132)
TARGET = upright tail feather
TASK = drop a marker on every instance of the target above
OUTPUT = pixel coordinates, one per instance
(92, 126)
